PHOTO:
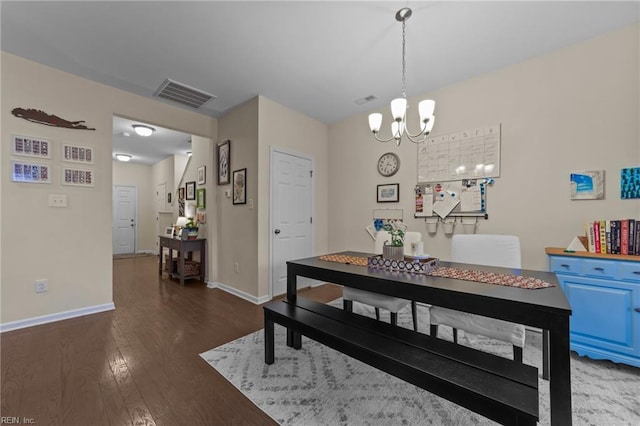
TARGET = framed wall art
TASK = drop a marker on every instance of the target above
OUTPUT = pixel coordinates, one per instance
(240, 186)
(630, 183)
(180, 193)
(72, 176)
(202, 175)
(224, 162)
(191, 190)
(30, 172)
(389, 193)
(77, 154)
(201, 199)
(30, 147)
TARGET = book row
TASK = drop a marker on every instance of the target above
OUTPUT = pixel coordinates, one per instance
(614, 236)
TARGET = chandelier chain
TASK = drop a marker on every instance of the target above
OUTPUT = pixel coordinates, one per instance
(404, 65)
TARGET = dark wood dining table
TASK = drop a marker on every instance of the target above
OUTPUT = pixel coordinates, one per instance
(544, 308)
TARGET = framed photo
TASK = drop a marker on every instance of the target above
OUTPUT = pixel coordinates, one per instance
(240, 186)
(202, 176)
(224, 162)
(389, 193)
(77, 154)
(587, 185)
(31, 147)
(30, 172)
(180, 193)
(201, 199)
(191, 190)
(72, 176)
(168, 231)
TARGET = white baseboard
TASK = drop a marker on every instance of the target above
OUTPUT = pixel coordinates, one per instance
(241, 294)
(59, 316)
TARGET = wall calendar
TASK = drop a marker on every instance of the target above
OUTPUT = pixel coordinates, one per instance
(470, 154)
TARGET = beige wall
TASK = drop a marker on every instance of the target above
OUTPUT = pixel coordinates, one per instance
(572, 110)
(139, 176)
(238, 224)
(71, 247)
(281, 127)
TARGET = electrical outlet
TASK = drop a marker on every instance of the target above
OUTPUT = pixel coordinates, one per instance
(42, 286)
(236, 266)
(57, 200)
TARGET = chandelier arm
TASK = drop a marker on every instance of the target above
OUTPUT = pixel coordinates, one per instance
(383, 140)
(406, 130)
(411, 138)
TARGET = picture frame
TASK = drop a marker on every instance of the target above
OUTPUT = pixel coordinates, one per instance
(240, 186)
(223, 160)
(202, 175)
(201, 199)
(168, 231)
(30, 146)
(388, 193)
(28, 172)
(77, 153)
(72, 176)
(191, 190)
(181, 193)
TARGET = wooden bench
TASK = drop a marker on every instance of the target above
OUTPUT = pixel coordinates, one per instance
(498, 388)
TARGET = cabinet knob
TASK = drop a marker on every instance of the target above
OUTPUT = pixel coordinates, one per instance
(599, 269)
(637, 310)
(564, 265)
(636, 272)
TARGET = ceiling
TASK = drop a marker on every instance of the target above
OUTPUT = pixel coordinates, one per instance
(317, 58)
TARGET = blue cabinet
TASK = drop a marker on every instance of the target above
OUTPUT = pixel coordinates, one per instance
(604, 293)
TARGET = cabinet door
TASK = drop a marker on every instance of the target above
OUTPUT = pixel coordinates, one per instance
(603, 314)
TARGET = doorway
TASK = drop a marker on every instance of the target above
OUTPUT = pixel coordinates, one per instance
(124, 219)
(291, 214)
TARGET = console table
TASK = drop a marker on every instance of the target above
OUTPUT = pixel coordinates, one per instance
(185, 249)
(604, 293)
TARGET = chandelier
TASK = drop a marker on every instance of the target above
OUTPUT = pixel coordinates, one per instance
(399, 105)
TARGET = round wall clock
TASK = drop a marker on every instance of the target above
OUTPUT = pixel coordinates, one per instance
(388, 164)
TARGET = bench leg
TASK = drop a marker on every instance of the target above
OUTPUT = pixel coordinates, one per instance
(517, 354)
(268, 340)
(347, 305)
(294, 339)
(394, 318)
(378, 314)
(433, 330)
(455, 335)
(414, 313)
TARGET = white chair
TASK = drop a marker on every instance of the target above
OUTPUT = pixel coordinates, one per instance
(380, 301)
(491, 250)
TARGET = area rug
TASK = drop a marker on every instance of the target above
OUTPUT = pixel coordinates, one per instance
(319, 386)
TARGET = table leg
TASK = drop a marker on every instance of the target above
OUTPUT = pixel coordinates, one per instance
(181, 255)
(268, 340)
(160, 262)
(294, 339)
(560, 374)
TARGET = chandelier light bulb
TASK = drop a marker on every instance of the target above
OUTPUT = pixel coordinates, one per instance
(398, 108)
(375, 122)
(426, 108)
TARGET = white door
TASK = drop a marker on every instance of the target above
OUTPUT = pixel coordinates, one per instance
(161, 197)
(124, 219)
(291, 221)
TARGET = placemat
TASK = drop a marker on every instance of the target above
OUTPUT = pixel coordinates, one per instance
(342, 258)
(491, 278)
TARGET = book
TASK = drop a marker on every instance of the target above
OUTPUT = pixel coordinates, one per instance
(603, 236)
(596, 236)
(608, 235)
(624, 236)
(588, 229)
(637, 242)
(632, 236)
(615, 235)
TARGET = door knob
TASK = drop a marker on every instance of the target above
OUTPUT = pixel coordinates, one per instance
(277, 231)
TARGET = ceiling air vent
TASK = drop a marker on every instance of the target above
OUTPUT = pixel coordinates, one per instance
(182, 94)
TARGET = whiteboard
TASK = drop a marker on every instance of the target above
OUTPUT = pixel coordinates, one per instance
(469, 154)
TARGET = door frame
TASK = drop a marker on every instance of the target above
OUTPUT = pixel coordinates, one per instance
(272, 151)
(113, 218)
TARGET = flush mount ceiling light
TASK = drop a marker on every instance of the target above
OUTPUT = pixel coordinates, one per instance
(399, 105)
(143, 130)
(123, 157)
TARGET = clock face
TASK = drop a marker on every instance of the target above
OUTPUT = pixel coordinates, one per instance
(388, 164)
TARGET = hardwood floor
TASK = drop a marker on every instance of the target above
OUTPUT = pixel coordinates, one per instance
(138, 364)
